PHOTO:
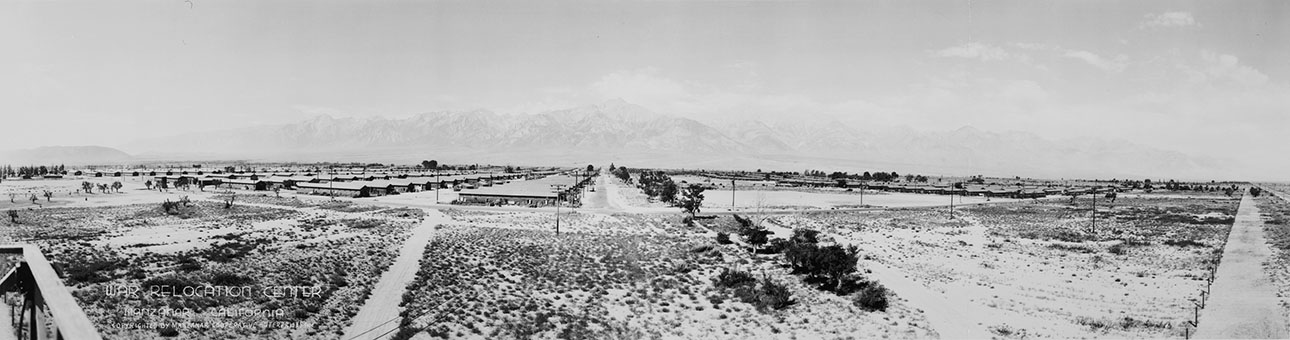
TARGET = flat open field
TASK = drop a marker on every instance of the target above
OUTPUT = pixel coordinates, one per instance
(629, 277)
(1276, 227)
(1041, 270)
(205, 272)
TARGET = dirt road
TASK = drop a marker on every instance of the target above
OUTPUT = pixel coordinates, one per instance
(379, 316)
(1244, 301)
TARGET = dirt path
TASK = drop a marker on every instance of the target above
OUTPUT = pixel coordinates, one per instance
(1244, 303)
(379, 316)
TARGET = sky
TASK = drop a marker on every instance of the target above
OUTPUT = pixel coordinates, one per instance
(1206, 78)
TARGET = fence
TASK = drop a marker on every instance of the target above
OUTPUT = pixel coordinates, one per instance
(43, 298)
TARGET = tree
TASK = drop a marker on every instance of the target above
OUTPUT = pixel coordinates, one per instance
(276, 191)
(89, 188)
(668, 192)
(591, 168)
(833, 262)
(148, 184)
(116, 186)
(612, 167)
(757, 237)
(49, 195)
(691, 199)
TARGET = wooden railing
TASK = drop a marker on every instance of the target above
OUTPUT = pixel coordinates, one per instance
(43, 295)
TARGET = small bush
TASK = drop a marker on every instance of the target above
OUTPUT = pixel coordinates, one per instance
(872, 298)
(733, 279)
(1184, 243)
(1077, 249)
(230, 279)
(363, 223)
(723, 238)
(1117, 249)
(168, 332)
(775, 246)
(773, 295)
(805, 236)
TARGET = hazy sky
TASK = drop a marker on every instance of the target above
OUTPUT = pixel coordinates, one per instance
(1204, 77)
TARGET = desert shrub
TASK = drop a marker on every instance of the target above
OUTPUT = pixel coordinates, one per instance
(92, 270)
(363, 223)
(768, 295)
(1077, 249)
(188, 264)
(168, 332)
(230, 279)
(1183, 243)
(872, 297)
(730, 278)
(805, 236)
(775, 246)
(756, 236)
(1071, 236)
(1007, 331)
(723, 238)
(173, 281)
(833, 262)
(774, 295)
(170, 207)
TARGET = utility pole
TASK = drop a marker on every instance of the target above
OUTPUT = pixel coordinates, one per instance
(951, 202)
(862, 186)
(1094, 210)
(557, 188)
(732, 194)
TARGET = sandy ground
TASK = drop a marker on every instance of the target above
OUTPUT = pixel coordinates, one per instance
(379, 316)
(67, 193)
(1244, 303)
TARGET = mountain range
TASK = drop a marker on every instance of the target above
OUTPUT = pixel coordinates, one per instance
(618, 131)
(69, 155)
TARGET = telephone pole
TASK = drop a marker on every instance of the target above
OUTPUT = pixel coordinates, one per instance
(557, 188)
(951, 202)
(862, 186)
(1094, 227)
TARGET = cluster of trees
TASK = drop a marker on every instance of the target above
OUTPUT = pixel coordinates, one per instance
(657, 185)
(867, 176)
(832, 267)
(1173, 185)
(620, 172)
(104, 188)
(29, 171)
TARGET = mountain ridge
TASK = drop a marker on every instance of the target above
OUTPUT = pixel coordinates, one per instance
(610, 130)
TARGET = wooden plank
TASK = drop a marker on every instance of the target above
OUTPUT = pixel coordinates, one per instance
(68, 315)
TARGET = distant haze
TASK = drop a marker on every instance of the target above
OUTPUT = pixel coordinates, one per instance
(1091, 88)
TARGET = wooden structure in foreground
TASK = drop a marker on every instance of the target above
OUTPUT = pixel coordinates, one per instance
(45, 300)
